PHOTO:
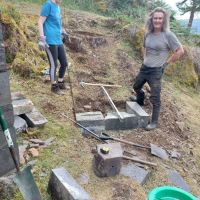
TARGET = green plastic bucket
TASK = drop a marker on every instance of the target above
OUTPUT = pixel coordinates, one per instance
(170, 193)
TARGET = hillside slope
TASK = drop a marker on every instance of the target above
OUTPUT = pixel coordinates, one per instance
(100, 53)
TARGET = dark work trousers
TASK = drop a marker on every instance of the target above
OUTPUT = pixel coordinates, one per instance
(153, 76)
(58, 53)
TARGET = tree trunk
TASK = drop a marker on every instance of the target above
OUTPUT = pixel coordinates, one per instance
(192, 14)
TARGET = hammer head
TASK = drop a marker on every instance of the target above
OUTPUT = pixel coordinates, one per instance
(82, 83)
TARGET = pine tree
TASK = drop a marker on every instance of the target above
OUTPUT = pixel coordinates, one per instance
(191, 6)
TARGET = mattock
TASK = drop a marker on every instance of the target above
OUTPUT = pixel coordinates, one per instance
(82, 83)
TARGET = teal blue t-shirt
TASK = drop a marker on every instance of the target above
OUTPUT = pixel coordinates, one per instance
(53, 24)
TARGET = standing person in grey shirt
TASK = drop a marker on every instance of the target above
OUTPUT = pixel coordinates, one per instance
(158, 42)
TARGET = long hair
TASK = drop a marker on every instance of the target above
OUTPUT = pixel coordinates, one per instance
(165, 26)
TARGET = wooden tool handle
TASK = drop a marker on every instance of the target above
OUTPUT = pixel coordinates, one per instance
(140, 161)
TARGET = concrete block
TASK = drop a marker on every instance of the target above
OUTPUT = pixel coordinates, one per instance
(22, 106)
(2, 137)
(1, 33)
(34, 118)
(112, 121)
(2, 58)
(62, 186)
(95, 129)
(5, 97)
(90, 119)
(20, 124)
(136, 173)
(135, 108)
(177, 179)
(6, 161)
(107, 164)
(8, 114)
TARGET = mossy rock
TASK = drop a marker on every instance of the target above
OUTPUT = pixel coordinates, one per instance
(183, 70)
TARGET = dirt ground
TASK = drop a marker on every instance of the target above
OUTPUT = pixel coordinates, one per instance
(98, 53)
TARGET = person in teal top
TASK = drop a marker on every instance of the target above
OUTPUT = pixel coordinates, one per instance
(51, 31)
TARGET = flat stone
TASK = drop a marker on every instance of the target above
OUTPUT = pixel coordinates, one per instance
(177, 179)
(37, 141)
(17, 96)
(62, 186)
(135, 108)
(159, 152)
(5, 97)
(35, 118)
(90, 119)
(20, 125)
(136, 173)
(7, 111)
(22, 106)
(112, 121)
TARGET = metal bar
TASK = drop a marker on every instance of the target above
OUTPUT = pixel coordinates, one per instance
(82, 83)
(91, 132)
(112, 104)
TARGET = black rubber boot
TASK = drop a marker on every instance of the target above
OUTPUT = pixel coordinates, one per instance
(62, 85)
(55, 89)
(139, 98)
(154, 120)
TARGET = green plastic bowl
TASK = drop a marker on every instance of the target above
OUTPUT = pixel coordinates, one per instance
(170, 193)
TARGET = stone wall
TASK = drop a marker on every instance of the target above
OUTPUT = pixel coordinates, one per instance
(6, 162)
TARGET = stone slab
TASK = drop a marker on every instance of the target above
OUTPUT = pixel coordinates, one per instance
(135, 108)
(5, 97)
(20, 124)
(8, 115)
(22, 106)
(159, 152)
(62, 186)
(177, 180)
(17, 96)
(136, 173)
(112, 121)
(90, 119)
(34, 118)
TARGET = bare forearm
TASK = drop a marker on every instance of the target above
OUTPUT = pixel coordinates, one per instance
(175, 56)
(40, 25)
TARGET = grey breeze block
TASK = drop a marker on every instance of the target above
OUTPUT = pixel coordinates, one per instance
(5, 97)
(62, 186)
(135, 108)
(2, 57)
(8, 115)
(90, 119)
(113, 122)
(6, 161)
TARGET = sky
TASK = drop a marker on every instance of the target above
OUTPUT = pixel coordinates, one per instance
(172, 3)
